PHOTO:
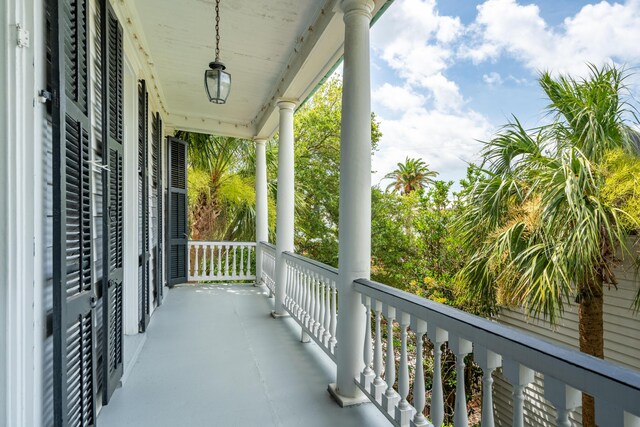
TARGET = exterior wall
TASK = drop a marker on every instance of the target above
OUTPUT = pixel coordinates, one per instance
(4, 83)
(26, 213)
(621, 337)
(22, 246)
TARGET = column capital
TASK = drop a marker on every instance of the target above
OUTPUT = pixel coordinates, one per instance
(361, 7)
(286, 103)
(259, 141)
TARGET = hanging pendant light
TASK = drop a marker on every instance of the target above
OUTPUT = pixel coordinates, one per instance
(217, 82)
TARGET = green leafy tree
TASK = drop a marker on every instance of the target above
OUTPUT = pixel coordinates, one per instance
(412, 175)
(540, 226)
(317, 172)
(221, 187)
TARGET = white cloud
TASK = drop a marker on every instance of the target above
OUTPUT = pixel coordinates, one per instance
(445, 141)
(432, 119)
(598, 33)
(492, 79)
(417, 43)
(397, 98)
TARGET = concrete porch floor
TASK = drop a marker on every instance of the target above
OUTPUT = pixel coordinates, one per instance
(215, 357)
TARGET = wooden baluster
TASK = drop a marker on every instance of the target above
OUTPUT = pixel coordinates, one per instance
(219, 261)
(316, 305)
(303, 294)
(404, 411)
(226, 262)
(321, 290)
(327, 313)
(438, 337)
(564, 398)
(310, 293)
(292, 289)
(242, 261)
(312, 302)
(460, 348)
(390, 397)
(249, 249)
(211, 269)
(367, 375)
(234, 273)
(488, 361)
(334, 318)
(379, 385)
(296, 306)
(189, 246)
(269, 279)
(196, 263)
(419, 400)
(204, 261)
(286, 282)
(307, 298)
(304, 314)
(519, 376)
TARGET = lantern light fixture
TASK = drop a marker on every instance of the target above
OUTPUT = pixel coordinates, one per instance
(217, 82)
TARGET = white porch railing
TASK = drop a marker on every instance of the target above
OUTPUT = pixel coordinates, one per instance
(269, 266)
(566, 372)
(219, 261)
(311, 299)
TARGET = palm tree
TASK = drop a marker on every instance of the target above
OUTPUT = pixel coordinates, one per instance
(413, 174)
(225, 210)
(539, 231)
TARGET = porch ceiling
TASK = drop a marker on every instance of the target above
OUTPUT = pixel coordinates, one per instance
(272, 48)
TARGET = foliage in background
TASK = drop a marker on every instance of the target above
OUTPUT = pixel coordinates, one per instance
(542, 226)
(221, 191)
(412, 175)
(317, 172)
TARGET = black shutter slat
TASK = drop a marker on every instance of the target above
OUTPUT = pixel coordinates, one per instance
(177, 239)
(112, 193)
(143, 182)
(74, 387)
(157, 177)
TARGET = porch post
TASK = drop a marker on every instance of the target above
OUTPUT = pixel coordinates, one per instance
(284, 220)
(355, 198)
(262, 216)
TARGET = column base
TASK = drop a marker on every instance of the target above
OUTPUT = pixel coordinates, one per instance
(345, 401)
(279, 315)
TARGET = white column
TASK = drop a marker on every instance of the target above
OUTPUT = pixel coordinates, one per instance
(22, 213)
(262, 214)
(355, 196)
(284, 219)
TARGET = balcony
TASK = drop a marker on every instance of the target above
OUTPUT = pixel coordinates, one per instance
(214, 356)
(88, 202)
(213, 346)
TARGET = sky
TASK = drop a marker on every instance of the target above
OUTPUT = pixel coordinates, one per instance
(447, 74)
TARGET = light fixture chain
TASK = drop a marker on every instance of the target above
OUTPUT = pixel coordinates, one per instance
(217, 30)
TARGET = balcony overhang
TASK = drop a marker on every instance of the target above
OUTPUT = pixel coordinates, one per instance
(272, 48)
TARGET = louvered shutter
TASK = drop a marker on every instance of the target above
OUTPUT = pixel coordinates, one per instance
(143, 205)
(74, 296)
(156, 132)
(113, 188)
(177, 238)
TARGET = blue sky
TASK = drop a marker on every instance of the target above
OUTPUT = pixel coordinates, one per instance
(447, 73)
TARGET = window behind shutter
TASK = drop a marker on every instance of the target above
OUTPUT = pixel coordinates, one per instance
(73, 293)
(113, 215)
(143, 185)
(177, 238)
(156, 132)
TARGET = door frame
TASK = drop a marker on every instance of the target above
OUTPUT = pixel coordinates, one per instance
(130, 296)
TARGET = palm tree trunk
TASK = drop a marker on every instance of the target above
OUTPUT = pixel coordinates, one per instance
(591, 335)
